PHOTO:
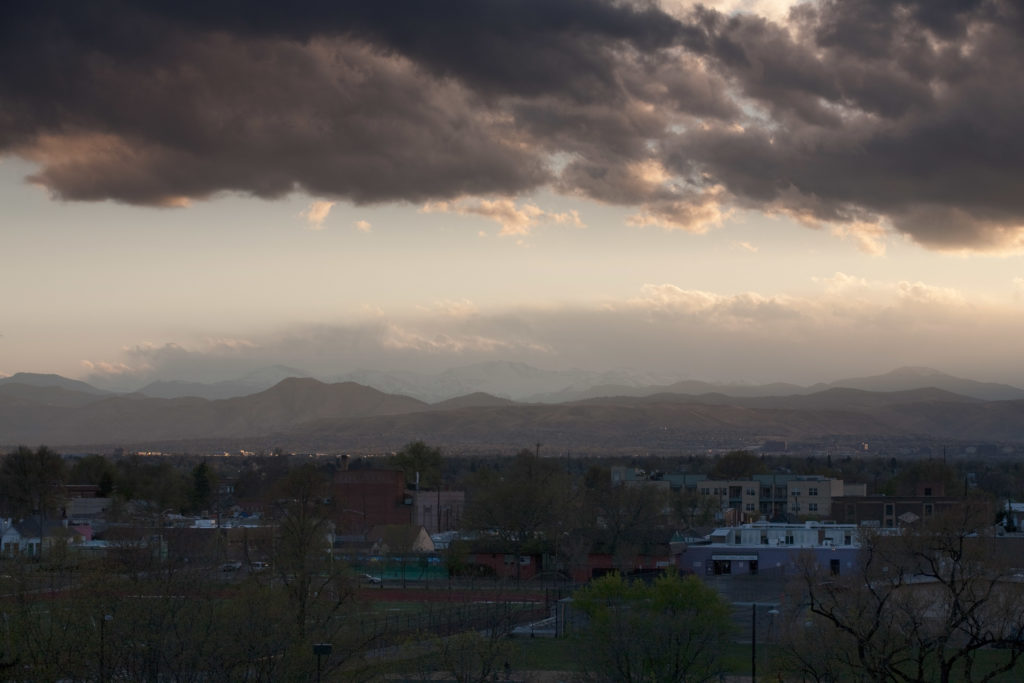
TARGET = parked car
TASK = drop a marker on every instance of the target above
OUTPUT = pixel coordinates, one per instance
(231, 566)
(258, 566)
(370, 578)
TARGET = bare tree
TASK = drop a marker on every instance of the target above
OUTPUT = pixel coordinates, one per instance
(923, 603)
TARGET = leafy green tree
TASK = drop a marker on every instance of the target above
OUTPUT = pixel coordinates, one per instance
(419, 458)
(672, 630)
(95, 470)
(202, 486)
(915, 476)
(31, 481)
(154, 480)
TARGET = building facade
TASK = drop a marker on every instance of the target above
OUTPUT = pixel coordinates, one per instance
(762, 496)
(765, 548)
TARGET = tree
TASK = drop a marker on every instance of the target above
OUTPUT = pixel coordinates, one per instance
(474, 656)
(93, 469)
(202, 486)
(672, 630)
(916, 475)
(303, 560)
(155, 480)
(624, 514)
(419, 458)
(522, 503)
(31, 481)
(921, 606)
(737, 465)
(695, 509)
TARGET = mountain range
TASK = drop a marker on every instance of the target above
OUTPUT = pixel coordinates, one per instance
(301, 413)
(525, 383)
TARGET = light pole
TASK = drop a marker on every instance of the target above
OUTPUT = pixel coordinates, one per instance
(320, 650)
(753, 637)
(103, 623)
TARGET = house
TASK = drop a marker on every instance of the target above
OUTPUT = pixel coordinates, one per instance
(32, 536)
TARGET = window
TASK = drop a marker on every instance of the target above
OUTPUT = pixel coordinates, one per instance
(795, 492)
(749, 507)
(847, 539)
(751, 492)
(812, 491)
(737, 539)
(789, 538)
(928, 490)
(888, 508)
(764, 538)
(705, 492)
(812, 507)
(928, 509)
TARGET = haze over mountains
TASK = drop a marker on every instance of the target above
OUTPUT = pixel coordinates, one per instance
(306, 414)
(522, 382)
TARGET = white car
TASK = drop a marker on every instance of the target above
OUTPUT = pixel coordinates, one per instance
(370, 578)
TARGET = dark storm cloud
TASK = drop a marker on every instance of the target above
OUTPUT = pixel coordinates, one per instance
(528, 47)
(854, 112)
(907, 111)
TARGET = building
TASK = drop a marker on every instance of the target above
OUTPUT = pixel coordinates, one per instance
(889, 512)
(773, 549)
(368, 498)
(762, 496)
(438, 511)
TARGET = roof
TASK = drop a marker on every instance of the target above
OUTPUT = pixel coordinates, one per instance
(400, 538)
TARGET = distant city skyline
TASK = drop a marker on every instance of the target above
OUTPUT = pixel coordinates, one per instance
(741, 193)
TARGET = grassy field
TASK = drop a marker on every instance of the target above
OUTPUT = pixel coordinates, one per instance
(550, 654)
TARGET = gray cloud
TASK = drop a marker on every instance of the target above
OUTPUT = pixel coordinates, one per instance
(850, 327)
(908, 113)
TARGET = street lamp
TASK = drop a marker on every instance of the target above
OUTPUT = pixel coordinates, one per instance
(753, 637)
(320, 650)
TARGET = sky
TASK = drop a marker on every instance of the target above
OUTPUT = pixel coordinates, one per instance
(734, 192)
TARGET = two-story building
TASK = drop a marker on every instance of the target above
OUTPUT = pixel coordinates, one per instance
(770, 548)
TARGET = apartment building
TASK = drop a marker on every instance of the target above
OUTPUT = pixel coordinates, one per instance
(763, 496)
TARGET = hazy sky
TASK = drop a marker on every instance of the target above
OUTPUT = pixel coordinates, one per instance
(737, 192)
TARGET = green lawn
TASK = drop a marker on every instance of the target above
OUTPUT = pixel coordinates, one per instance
(556, 654)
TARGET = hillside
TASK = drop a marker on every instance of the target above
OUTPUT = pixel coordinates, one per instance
(306, 414)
